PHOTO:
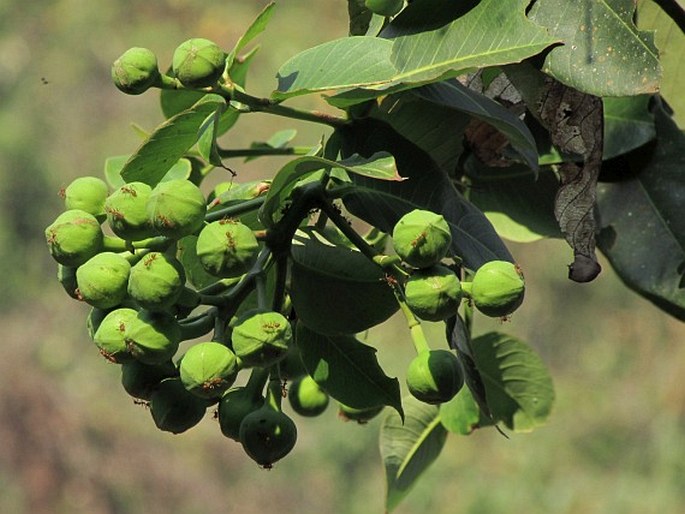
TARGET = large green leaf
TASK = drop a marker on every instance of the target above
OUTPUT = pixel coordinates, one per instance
(348, 370)
(642, 226)
(113, 166)
(256, 27)
(169, 142)
(518, 386)
(604, 53)
(628, 124)
(461, 414)
(408, 448)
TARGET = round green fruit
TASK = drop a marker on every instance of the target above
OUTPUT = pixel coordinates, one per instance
(208, 369)
(87, 194)
(156, 281)
(267, 435)
(361, 416)
(174, 409)
(74, 237)
(111, 334)
(153, 337)
(434, 376)
(261, 338)
(66, 275)
(135, 71)
(384, 7)
(434, 293)
(176, 208)
(141, 380)
(307, 398)
(234, 406)
(498, 288)
(227, 248)
(421, 238)
(126, 210)
(102, 280)
(198, 63)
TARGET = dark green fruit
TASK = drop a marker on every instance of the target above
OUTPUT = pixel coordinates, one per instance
(66, 275)
(102, 280)
(111, 334)
(261, 338)
(235, 404)
(421, 238)
(156, 281)
(126, 210)
(208, 369)
(306, 397)
(227, 248)
(361, 416)
(434, 293)
(292, 367)
(135, 71)
(174, 409)
(267, 435)
(153, 338)
(434, 376)
(198, 63)
(498, 288)
(384, 7)
(141, 380)
(87, 194)
(74, 237)
(176, 208)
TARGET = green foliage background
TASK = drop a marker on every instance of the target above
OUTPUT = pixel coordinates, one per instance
(71, 441)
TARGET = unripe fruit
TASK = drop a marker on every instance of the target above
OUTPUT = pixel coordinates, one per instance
(498, 288)
(198, 63)
(361, 416)
(141, 380)
(174, 409)
(434, 376)
(87, 194)
(261, 338)
(135, 71)
(66, 275)
(127, 213)
(208, 369)
(267, 435)
(74, 237)
(153, 338)
(421, 238)
(227, 248)
(102, 280)
(384, 7)
(156, 281)
(434, 293)
(176, 208)
(234, 406)
(306, 397)
(111, 334)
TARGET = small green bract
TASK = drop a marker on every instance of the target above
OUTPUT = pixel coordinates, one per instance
(434, 376)
(198, 63)
(421, 238)
(498, 288)
(208, 369)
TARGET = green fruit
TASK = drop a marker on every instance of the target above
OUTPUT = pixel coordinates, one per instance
(102, 280)
(74, 237)
(234, 406)
(227, 248)
(174, 409)
(153, 337)
(384, 7)
(434, 376)
(66, 275)
(306, 397)
(267, 435)
(111, 334)
(361, 416)
(198, 63)
(176, 208)
(498, 288)
(208, 369)
(141, 380)
(292, 367)
(136, 71)
(126, 210)
(87, 194)
(261, 338)
(156, 281)
(421, 238)
(434, 293)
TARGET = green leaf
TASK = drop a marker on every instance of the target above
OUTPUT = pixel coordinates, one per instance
(642, 227)
(256, 27)
(409, 447)
(461, 414)
(169, 142)
(348, 370)
(113, 166)
(628, 124)
(280, 139)
(518, 387)
(604, 53)
(209, 131)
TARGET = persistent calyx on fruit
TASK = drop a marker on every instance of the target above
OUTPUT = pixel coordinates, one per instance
(102, 280)
(136, 71)
(267, 435)
(198, 63)
(208, 369)
(176, 208)
(306, 397)
(434, 376)
(434, 293)
(156, 281)
(421, 238)
(497, 288)
(227, 248)
(261, 338)
(384, 7)
(74, 237)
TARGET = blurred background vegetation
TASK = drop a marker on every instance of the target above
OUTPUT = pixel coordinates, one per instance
(71, 441)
